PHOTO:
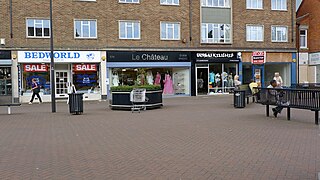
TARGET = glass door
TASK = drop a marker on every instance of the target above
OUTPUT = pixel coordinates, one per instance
(202, 80)
(61, 83)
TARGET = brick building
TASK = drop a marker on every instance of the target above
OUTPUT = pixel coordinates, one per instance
(308, 44)
(199, 45)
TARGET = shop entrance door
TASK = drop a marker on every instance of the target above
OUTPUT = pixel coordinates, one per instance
(61, 83)
(202, 80)
(258, 75)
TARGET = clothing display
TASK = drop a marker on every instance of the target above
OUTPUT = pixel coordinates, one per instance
(149, 78)
(115, 79)
(211, 77)
(157, 79)
(168, 85)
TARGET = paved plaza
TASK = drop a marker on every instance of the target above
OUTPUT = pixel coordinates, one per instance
(189, 138)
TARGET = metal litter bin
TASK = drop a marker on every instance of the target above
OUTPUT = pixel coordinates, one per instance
(76, 103)
(239, 99)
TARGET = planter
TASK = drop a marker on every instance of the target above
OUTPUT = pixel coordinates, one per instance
(121, 100)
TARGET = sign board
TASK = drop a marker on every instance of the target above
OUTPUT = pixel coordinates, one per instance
(84, 67)
(128, 56)
(35, 67)
(314, 58)
(258, 57)
(59, 56)
(217, 57)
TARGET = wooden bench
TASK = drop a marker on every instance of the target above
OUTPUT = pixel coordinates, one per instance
(291, 98)
(9, 106)
(248, 92)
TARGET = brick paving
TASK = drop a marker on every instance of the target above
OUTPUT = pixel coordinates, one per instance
(189, 138)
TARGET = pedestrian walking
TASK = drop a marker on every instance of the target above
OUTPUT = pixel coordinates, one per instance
(35, 87)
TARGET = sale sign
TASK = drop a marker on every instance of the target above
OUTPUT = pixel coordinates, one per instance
(258, 57)
(35, 67)
(84, 67)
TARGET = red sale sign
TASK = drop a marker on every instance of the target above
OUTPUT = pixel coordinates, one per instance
(35, 67)
(84, 67)
(258, 57)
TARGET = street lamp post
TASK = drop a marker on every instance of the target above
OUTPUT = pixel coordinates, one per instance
(52, 80)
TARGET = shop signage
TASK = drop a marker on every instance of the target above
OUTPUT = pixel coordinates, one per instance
(84, 67)
(258, 57)
(35, 67)
(128, 56)
(5, 54)
(314, 58)
(212, 57)
(59, 56)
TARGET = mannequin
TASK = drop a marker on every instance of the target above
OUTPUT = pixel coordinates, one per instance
(168, 84)
(115, 79)
(149, 78)
(157, 79)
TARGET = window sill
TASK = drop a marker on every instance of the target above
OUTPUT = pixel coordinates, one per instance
(29, 37)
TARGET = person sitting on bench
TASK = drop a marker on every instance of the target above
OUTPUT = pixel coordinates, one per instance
(277, 110)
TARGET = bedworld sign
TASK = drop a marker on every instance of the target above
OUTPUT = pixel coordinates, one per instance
(59, 56)
(120, 56)
(211, 57)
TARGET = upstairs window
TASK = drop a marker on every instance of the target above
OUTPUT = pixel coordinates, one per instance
(254, 4)
(129, 30)
(170, 31)
(215, 33)
(279, 34)
(303, 39)
(169, 2)
(215, 3)
(129, 1)
(254, 33)
(38, 28)
(85, 29)
(279, 4)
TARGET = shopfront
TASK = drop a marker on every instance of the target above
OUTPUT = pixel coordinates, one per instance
(261, 67)
(78, 68)
(215, 72)
(170, 70)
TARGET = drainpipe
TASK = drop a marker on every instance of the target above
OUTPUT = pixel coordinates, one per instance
(190, 22)
(11, 29)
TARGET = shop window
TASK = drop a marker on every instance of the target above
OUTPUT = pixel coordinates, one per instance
(38, 28)
(172, 80)
(5, 81)
(40, 73)
(86, 78)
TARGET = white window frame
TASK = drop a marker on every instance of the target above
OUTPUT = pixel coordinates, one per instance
(127, 1)
(81, 34)
(253, 31)
(127, 23)
(166, 2)
(274, 5)
(210, 3)
(250, 4)
(37, 19)
(173, 27)
(277, 40)
(206, 39)
(305, 38)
